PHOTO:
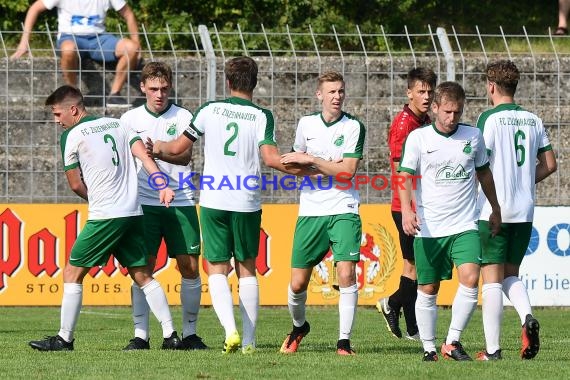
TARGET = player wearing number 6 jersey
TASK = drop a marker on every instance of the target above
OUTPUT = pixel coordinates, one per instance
(515, 141)
(235, 131)
(99, 166)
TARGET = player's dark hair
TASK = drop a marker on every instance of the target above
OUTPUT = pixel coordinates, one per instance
(423, 75)
(241, 73)
(505, 75)
(329, 76)
(156, 70)
(450, 91)
(66, 94)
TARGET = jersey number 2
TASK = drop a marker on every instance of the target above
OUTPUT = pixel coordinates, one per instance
(115, 159)
(234, 127)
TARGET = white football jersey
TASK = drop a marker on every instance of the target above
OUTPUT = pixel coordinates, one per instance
(101, 148)
(82, 17)
(233, 130)
(514, 137)
(165, 126)
(446, 193)
(330, 141)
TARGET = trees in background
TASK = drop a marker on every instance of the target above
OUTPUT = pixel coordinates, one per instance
(275, 15)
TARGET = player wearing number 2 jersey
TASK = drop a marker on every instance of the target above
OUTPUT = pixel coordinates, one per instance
(515, 141)
(99, 166)
(235, 131)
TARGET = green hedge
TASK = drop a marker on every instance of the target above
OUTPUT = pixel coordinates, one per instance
(464, 15)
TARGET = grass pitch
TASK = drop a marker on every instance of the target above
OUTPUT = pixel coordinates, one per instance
(103, 331)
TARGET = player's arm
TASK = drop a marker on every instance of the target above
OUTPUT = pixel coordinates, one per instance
(410, 222)
(546, 165)
(271, 158)
(166, 194)
(485, 178)
(31, 17)
(76, 183)
(127, 13)
(330, 168)
(178, 151)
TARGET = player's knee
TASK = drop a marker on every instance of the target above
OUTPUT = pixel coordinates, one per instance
(127, 47)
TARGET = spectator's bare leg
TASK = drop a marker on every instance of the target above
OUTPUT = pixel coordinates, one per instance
(69, 62)
(127, 54)
(563, 9)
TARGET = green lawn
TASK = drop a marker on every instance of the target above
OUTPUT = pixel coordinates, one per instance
(103, 331)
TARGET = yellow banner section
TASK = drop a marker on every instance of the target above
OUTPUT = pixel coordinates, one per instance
(36, 241)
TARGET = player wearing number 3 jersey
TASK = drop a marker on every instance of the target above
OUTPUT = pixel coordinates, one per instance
(235, 131)
(99, 166)
(520, 156)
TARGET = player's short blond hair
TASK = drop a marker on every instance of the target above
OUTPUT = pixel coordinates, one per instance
(329, 76)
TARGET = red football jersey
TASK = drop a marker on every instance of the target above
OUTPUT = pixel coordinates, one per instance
(404, 123)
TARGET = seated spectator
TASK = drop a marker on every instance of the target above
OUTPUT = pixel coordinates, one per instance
(81, 27)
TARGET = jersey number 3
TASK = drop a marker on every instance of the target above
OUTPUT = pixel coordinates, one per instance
(115, 159)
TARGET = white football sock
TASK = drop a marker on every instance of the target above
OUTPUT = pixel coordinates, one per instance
(249, 306)
(492, 315)
(426, 316)
(516, 292)
(347, 310)
(140, 311)
(190, 295)
(464, 305)
(158, 304)
(70, 308)
(222, 301)
(296, 303)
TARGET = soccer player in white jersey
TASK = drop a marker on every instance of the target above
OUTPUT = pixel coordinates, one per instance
(99, 166)
(520, 156)
(159, 119)
(332, 141)
(235, 131)
(449, 157)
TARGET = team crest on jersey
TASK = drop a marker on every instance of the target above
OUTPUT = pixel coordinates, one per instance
(171, 131)
(467, 149)
(376, 265)
(339, 140)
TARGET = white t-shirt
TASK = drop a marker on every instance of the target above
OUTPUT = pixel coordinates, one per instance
(82, 17)
(165, 126)
(233, 130)
(514, 137)
(339, 139)
(101, 148)
(446, 193)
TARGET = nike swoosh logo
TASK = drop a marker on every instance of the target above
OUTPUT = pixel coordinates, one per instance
(431, 151)
(310, 138)
(194, 246)
(354, 253)
(140, 131)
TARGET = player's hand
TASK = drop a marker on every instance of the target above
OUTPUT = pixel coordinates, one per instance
(20, 51)
(166, 196)
(410, 223)
(301, 158)
(152, 148)
(495, 222)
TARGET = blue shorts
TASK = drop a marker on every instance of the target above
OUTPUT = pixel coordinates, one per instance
(99, 47)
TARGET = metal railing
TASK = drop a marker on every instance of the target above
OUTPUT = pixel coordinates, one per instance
(374, 65)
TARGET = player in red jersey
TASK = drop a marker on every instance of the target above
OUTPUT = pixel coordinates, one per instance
(421, 86)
